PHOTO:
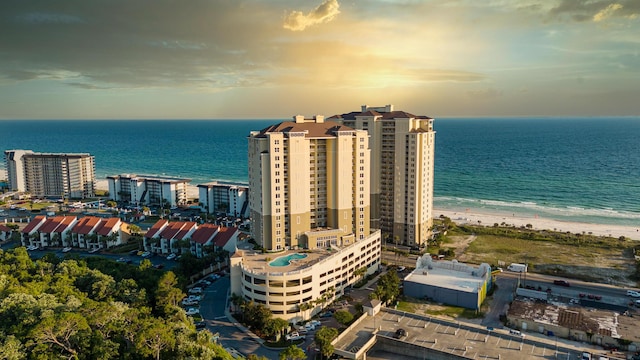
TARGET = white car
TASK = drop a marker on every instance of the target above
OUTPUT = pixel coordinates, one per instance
(67, 249)
(146, 254)
(193, 311)
(189, 302)
(633, 293)
(294, 336)
(171, 256)
(195, 290)
(32, 247)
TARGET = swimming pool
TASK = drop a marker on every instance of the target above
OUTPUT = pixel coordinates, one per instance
(286, 260)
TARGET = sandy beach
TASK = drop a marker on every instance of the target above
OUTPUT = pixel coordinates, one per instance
(473, 216)
(537, 223)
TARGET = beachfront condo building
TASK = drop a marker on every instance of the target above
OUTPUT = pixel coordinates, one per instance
(220, 197)
(51, 175)
(148, 190)
(309, 206)
(401, 171)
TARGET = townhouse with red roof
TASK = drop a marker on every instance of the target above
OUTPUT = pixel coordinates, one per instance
(54, 230)
(179, 237)
(5, 232)
(165, 237)
(87, 232)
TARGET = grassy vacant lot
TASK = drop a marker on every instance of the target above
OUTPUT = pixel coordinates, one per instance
(580, 256)
(423, 307)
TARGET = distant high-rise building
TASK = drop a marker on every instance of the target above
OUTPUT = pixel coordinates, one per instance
(51, 175)
(402, 169)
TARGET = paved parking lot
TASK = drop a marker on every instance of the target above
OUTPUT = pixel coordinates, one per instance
(465, 340)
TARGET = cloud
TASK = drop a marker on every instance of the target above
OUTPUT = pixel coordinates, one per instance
(606, 12)
(596, 10)
(325, 12)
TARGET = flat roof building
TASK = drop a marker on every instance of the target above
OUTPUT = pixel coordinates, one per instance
(69, 175)
(224, 197)
(148, 189)
(449, 282)
(401, 171)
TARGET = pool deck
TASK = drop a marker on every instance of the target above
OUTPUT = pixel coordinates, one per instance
(259, 262)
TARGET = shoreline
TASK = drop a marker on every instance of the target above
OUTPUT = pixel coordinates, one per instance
(488, 218)
(474, 216)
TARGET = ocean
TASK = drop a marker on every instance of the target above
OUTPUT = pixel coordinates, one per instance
(573, 169)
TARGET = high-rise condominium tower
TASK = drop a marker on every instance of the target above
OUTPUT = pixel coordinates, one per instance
(309, 182)
(51, 175)
(402, 159)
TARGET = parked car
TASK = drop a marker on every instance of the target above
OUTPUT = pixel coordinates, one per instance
(158, 266)
(195, 290)
(171, 256)
(201, 325)
(67, 249)
(400, 333)
(93, 251)
(315, 323)
(326, 314)
(32, 247)
(294, 336)
(189, 302)
(561, 283)
(133, 252)
(193, 311)
(121, 260)
(146, 254)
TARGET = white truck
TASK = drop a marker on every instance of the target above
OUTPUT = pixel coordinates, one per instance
(521, 268)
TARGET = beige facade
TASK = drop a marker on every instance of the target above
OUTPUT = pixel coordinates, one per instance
(51, 175)
(308, 176)
(309, 202)
(402, 168)
(297, 290)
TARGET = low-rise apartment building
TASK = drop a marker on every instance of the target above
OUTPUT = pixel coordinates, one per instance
(231, 199)
(148, 189)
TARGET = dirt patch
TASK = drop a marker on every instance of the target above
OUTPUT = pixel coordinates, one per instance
(459, 244)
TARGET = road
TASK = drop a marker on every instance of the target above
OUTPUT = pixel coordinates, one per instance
(212, 310)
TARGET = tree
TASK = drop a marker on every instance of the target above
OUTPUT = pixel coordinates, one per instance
(292, 353)
(168, 295)
(12, 349)
(134, 229)
(64, 332)
(256, 357)
(343, 317)
(324, 337)
(155, 337)
(388, 287)
(360, 272)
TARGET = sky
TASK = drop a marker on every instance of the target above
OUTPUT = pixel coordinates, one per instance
(238, 59)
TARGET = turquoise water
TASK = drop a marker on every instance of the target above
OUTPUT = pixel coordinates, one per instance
(573, 169)
(286, 260)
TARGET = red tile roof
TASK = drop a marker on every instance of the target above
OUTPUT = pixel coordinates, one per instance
(188, 226)
(85, 225)
(204, 233)
(385, 115)
(171, 230)
(34, 224)
(108, 226)
(50, 224)
(66, 222)
(4, 228)
(158, 226)
(312, 129)
(224, 235)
